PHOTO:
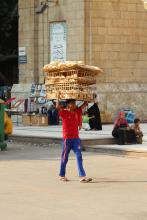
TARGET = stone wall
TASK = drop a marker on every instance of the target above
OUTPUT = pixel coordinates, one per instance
(28, 28)
(111, 34)
(73, 13)
(28, 38)
(116, 41)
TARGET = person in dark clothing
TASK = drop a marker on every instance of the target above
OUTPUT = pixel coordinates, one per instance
(94, 112)
(53, 115)
(49, 114)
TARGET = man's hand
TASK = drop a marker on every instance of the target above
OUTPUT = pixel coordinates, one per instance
(58, 95)
(58, 106)
(80, 126)
(84, 105)
(92, 117)
(128, 128)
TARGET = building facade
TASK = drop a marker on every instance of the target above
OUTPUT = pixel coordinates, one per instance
(111, 34)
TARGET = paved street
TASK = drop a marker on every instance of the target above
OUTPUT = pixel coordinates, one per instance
(30, 189)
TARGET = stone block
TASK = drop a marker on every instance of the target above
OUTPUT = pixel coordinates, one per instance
(132, 7)
(104, 55)
(143, 56)
(102, 30)
(140, 7)
(116, 31)
(123, 6)
(110, 39)
(21, 4)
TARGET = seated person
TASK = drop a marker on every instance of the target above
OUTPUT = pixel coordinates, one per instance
(93, 110)
(120, 129)
(8, 126)
(135, 134)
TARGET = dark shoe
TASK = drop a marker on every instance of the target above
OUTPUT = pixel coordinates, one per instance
(86, 180)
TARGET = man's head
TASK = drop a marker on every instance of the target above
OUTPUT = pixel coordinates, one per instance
(94, 95)
(71, 104)
(137, 121)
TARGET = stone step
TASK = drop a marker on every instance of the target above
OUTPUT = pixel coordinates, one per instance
(57, 140)
(105, 146)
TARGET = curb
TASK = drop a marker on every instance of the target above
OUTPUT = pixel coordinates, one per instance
(116, 151)
(57, 140)
(100, 146)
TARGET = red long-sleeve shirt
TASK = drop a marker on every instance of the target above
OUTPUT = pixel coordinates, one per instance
(71, 120)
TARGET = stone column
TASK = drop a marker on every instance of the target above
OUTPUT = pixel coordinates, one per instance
(28, 38)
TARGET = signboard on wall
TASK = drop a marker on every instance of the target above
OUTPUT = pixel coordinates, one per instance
(22, 55)
(58, 35)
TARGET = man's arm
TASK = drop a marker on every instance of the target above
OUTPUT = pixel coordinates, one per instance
(80, 116)
(91, 117)
(84, 105)
(58, 106)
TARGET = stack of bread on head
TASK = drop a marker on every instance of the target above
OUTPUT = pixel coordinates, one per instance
(72, 79)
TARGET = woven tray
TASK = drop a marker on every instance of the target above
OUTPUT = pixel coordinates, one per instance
(58, 67)
(70, 95)
(80, 80)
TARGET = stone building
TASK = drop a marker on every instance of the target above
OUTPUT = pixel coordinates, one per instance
(111, 34)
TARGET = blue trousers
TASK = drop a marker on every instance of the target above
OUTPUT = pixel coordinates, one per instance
(67, 146)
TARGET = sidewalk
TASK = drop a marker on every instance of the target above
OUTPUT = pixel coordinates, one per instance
(98, 141)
